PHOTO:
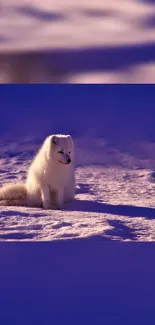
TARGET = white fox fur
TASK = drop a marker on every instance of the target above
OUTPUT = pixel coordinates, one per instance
(50, 180)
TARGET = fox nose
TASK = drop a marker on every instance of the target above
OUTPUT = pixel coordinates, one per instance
(69, 161)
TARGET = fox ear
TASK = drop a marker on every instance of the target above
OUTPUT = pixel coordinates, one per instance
(69, 137)
(54, 139)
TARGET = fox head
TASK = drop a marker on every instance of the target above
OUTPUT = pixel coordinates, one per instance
(62, 148)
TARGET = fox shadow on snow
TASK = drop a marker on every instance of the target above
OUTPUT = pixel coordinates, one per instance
(118, 228)
(123, 210)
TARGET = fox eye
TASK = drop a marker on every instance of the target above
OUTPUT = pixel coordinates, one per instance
(69, 152)
(60, 152)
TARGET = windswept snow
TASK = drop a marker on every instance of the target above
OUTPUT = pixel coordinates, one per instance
(78, 42)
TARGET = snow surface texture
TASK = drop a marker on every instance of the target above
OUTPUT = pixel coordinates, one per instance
(113, 203)
(84, 272)
(115, 174)
(96, 42)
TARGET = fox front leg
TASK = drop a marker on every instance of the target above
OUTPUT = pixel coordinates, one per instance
(59, 199)
(45, 196)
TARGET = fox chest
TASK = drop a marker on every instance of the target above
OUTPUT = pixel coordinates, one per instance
(57, 179)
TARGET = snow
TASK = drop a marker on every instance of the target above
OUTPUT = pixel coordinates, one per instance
(111, 204)
(78, 42)
(115, 160)
(92, 262)
(61, 24)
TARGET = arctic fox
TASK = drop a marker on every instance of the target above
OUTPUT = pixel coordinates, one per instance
(50, 180)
